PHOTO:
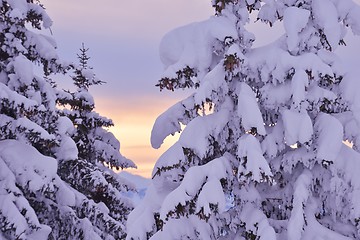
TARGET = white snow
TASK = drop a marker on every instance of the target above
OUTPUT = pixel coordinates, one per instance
(169, 121)
(212, 193)
(30, 126)
(65, 125)
(140, 185)
(248, 110)
(347, 164)
(141, 219)
(256, 164)
(174, 155)
(297, 221)
(194, 179)
(352, 18)
(23, 165)
(326, 16)
(299, 83)
(298, 127)
(257, 222)
(88, 73)
(23, 71)
(212, 82)
(274, 141)
(196, 134)
(191, 45)
(295, 20)
(330, 136)
(295, 167)
(17, 99)
(41, 169)
(67, 149)
(45, 45)
(191, 228)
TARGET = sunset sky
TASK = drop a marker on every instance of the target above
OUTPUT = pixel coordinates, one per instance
(123, 37)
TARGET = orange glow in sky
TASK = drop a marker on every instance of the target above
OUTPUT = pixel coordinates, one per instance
(123, 37)
(133, 128)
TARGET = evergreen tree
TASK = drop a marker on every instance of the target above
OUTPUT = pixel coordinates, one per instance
(28, 110)
(30, 187)
(95, 144)
(262, 154)
(36, 143)
(97, 147)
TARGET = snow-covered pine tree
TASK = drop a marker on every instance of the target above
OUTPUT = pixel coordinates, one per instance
(30, 187)
(98, 148)
(94, 142)
(35, 203)
(28, 110)
(262, 154)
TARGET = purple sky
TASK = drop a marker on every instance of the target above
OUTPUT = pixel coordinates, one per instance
(123, 37)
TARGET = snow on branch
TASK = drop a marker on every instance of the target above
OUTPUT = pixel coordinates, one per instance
(253, 165)
(201, 185)
(169, 122)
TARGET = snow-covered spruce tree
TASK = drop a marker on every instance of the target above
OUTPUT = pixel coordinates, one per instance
(97, 147)
(28, 110)
(95, 144)
(29, 184)
(267, 159)
(35, 203)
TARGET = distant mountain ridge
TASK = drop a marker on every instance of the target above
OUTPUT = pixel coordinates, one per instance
(141, 184)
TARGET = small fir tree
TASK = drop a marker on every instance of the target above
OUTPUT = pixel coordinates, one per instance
(94, 142)
(262, 154)
(97, 147)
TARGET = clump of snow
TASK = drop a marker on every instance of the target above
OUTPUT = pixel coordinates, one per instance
(67, 149)
(208, 176)
(169, 122)
(297, 221)
(257, 222)
(255, 164)
(248, 110)
(212, 82)
(299, 83)
(274, 141)
(326, 16)
(295, 20)
(315, 230)
(174, 155)
(210, 193)
(30, 126)
(85, 97)
(197, 132)
(191, 227)
(192, 45)
(65, 125)
(23, 71)
(330, 136)
(45, 45)
(41, 169)
(141, 219)
(298, 127)
(15, 98)
(347, 164)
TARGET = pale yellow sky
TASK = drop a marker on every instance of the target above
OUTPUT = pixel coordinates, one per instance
(123, 37)
(133, 127)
